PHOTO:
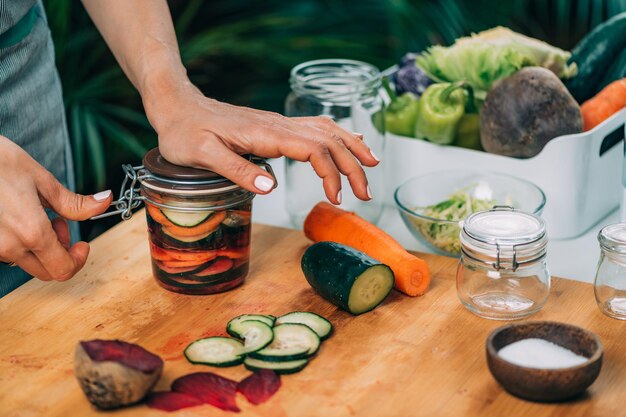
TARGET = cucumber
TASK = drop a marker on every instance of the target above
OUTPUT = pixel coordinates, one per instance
(594, 54)
(283, 368)
(317, 323)
(346, 277)
(616, 71)
(215, 351)
(186, 218)
(291, 342)
(256, 334)
(188, 240)
(269, 320)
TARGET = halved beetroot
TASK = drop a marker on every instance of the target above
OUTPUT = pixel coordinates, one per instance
(260, 386)
(211, 388)
(113, 373)
(218, 266)
(171, 400)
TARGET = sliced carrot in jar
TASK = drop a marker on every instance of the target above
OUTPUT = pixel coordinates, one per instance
(157, 215)
(233, 253)
(179, 255)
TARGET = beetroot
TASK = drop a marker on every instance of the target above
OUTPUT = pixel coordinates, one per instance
(260, 386)
(171, 400)
(113, 373)
(210, 388)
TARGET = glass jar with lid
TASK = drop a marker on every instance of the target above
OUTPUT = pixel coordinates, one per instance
(610, 280)
(198, 224)
(347, 92)
(502, 273)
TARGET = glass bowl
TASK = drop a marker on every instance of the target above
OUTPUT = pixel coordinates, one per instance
(433, 205)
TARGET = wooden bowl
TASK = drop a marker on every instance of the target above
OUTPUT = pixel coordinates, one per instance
(545, 385)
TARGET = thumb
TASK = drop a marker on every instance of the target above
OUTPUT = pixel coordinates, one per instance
(70, 205)
(243, 173)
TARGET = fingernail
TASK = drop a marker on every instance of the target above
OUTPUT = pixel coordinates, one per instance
(263, 183)
(369, 192)
(339, 197)
(374, 156)
(358, 135)
(102, 195)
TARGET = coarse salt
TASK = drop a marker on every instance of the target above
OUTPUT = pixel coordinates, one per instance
(539, 353)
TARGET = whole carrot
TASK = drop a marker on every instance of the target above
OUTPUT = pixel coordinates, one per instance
(603, 105)
(329, 223)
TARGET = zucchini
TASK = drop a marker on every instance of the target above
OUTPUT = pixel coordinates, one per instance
(291, 342)
(186, 218)
(594, 54)
(188, 241)
(215, 351)
(616, 71)
(283, 368)
(269, 320)
(317, 323)
(346, 277)
(256, 334)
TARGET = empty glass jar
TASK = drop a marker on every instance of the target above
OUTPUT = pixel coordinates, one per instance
(610, 281)
(347, 92)
(502, 273)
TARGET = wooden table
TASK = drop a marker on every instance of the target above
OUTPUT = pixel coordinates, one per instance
(409, 357)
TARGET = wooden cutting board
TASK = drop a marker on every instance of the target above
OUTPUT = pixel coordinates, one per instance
(410, 357)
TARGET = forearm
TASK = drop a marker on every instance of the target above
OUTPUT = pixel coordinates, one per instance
(141, 35)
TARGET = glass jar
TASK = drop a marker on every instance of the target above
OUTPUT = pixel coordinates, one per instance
(198, 224)
(347, 92)
(610, 281)
(502, 273)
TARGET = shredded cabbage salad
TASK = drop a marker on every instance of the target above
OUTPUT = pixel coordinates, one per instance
(445, 236)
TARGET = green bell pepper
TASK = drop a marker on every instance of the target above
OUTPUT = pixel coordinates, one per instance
(440, 109)
(468, 132)
(401, 113)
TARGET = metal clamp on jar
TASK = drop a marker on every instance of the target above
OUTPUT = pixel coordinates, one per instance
(502, 273)
(198, 223)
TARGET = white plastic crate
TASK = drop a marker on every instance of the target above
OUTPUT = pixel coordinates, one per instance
(580, 174)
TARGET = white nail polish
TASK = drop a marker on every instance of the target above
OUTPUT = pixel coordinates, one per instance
(263, 183)
(339, 197)
(369, 192)
(102, 195)
(360, 135)
(374, 156)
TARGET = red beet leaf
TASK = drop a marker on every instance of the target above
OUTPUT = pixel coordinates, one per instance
(260, 386)
(171, 400)
(210, 388)
(128, 354)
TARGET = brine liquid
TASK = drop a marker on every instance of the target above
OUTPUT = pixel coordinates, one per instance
(205, 258)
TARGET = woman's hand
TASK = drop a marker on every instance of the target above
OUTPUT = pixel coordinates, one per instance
(27, 237)
(204, 133)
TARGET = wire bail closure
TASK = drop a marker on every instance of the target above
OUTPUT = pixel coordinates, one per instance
(129, 198)
(514, 264)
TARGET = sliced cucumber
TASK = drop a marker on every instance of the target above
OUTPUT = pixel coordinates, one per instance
(317, 323)
(256, 334)
(288, 367)
(186, 218)
(291, 341)
(187, 239)
(215, 351)
(260, 317)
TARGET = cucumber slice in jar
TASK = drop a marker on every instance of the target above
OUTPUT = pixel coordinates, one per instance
(215, 351)
(260, 317)
(186, 218)
(317, 323)
(291, 342)
(255, 334)
(283, 368)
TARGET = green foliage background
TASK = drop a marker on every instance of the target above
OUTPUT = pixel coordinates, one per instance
(241, 51)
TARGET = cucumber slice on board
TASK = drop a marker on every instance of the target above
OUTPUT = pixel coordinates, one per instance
(215, 351)
(256, 334)
(291, 342)
(269, 320)
(346, 277)
(283, 368)
(317, 323)
(186, 218)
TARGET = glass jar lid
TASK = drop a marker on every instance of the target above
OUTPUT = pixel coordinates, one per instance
(504, 237)
(161, 175)
(613, 238)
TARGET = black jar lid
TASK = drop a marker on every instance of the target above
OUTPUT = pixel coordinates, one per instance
(162, 175)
